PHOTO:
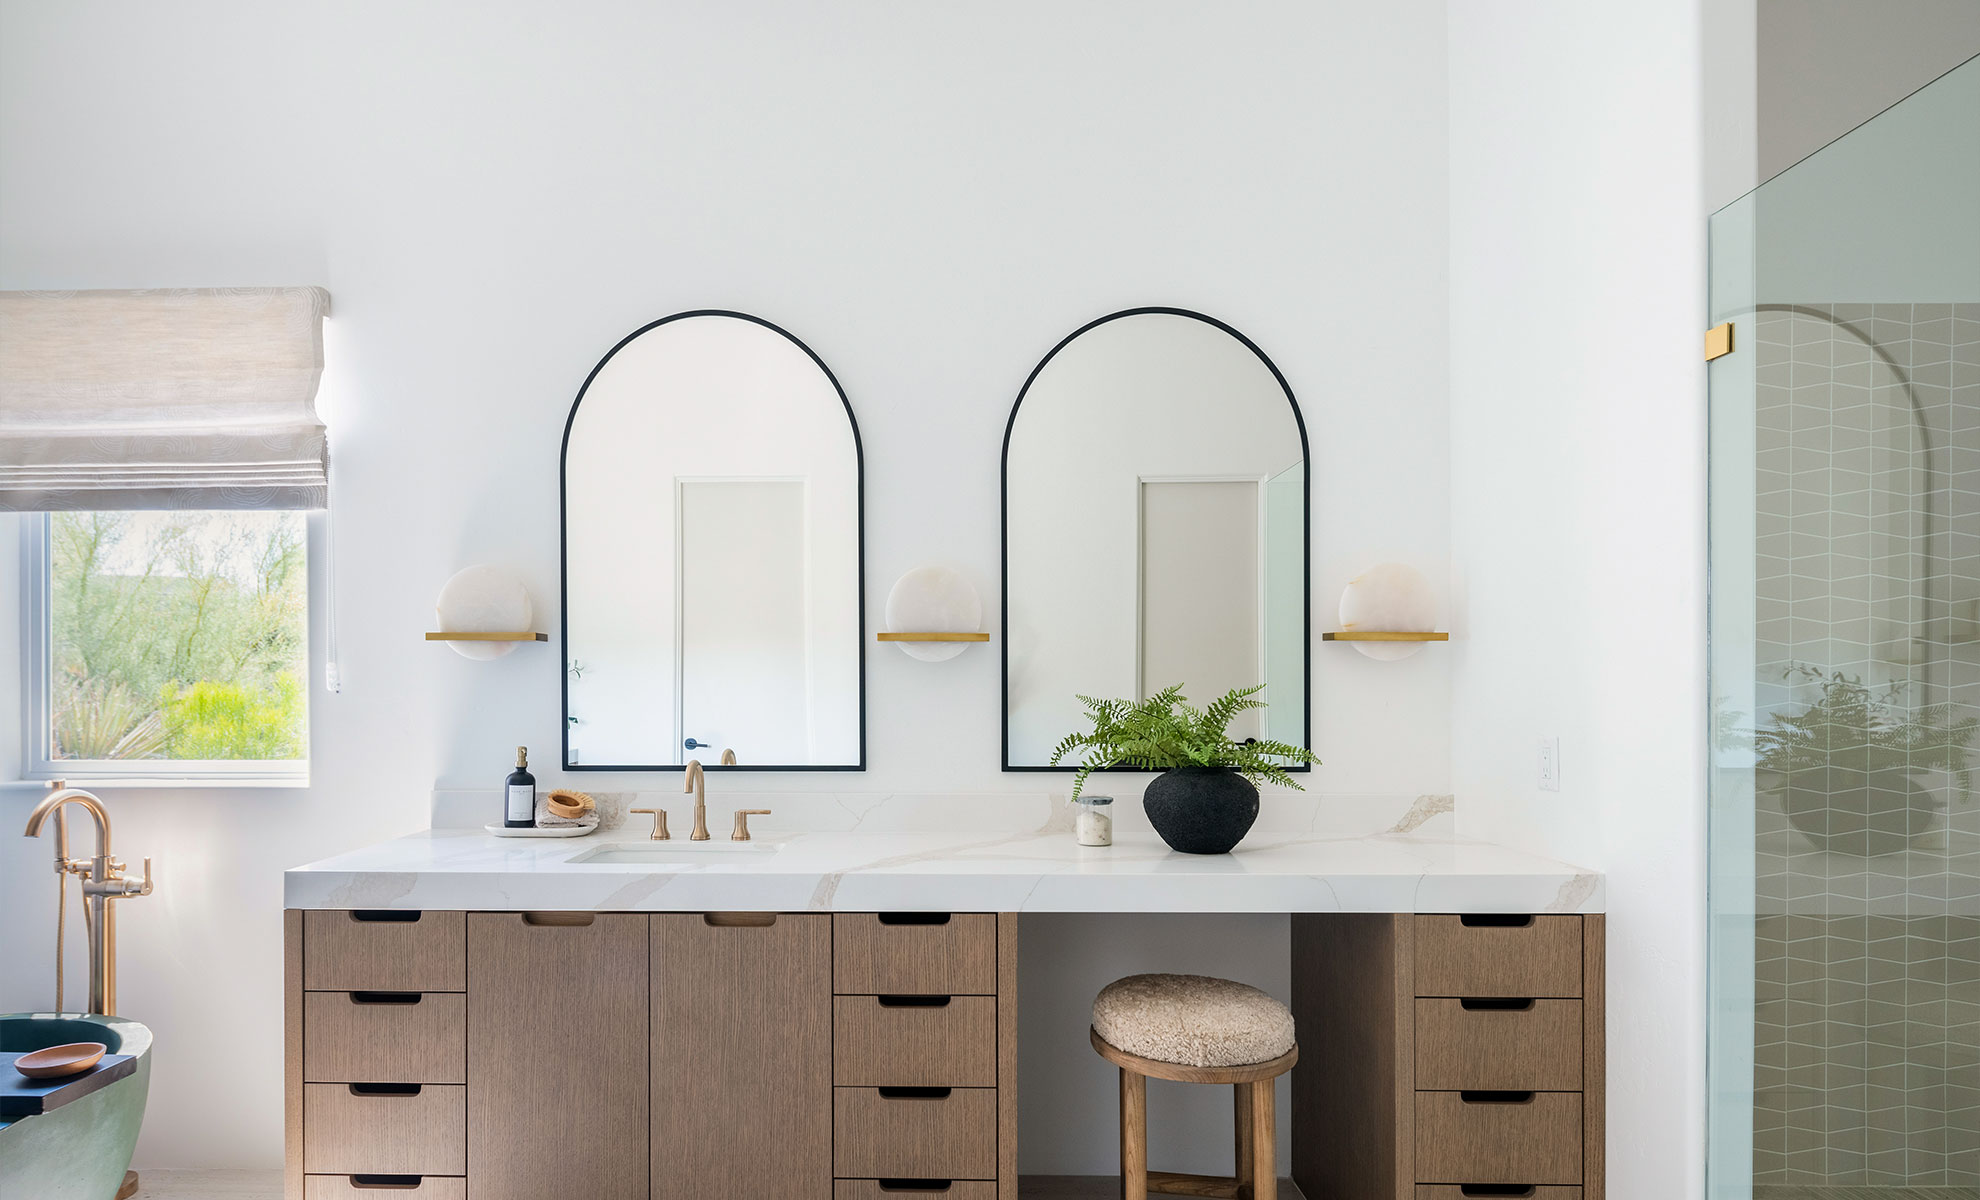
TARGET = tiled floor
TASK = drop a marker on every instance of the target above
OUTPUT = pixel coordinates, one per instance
(1796, 1192)
(267, 1185)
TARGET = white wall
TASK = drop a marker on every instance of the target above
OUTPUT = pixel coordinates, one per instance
(1730, 93)
(1577, 449)
(931, 196)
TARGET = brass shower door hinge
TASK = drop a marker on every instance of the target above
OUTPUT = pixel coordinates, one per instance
(1718, 341)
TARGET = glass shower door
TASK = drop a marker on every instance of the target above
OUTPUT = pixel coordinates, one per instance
(1844, 1055)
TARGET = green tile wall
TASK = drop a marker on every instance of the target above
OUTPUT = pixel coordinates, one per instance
(1867, 1014)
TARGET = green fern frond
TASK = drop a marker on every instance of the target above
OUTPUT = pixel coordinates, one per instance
(1165, 731)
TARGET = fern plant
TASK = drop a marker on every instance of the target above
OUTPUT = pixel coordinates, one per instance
(1165, 731)
(1852, 728)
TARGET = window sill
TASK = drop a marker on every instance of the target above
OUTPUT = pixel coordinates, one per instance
(186, 783)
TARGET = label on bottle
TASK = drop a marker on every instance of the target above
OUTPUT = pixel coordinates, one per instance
(522, 803)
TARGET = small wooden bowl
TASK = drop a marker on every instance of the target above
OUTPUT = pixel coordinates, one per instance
(57, 1061)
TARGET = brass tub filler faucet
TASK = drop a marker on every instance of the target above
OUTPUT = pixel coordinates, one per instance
(102, 881)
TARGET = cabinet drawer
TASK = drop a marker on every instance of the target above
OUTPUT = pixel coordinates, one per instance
(915, 1189)
(1498, 956)
(1532, 1140)
(347, 1132)
(1453, 1191)
(385, 1037)
(915, 1133)
(384, 1187)
(385, 951)
(939, 1041)
(1507, 1045)
(932, 954)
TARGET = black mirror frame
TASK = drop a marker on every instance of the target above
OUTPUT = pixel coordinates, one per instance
(1004, 528)
(563, 555)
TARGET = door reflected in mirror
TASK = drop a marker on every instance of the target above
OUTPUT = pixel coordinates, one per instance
(712, 555)
(1155, 530)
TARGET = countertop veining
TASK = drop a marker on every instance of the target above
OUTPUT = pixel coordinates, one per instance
(1029, 871)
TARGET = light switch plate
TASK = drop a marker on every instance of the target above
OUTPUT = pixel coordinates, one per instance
(1550, 764)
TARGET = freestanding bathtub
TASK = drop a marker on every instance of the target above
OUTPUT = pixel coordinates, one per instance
(81, 1150)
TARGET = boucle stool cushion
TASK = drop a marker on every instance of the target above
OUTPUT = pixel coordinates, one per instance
(1193, 1020)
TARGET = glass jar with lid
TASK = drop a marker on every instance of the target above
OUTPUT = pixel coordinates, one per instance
(1093, 820)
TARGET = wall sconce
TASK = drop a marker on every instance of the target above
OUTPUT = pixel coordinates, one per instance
(933, 613)
(1388, 613)
(484, 611)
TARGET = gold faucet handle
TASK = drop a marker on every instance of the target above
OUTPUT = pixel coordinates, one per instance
(141, 887)
(742, 822)
(659, 816)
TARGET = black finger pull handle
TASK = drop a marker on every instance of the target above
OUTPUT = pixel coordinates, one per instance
(914, 918)
(915, 1093)
(1498, 1189)
(385, 1089)
(1496, 1097)
(1496, 1004)
(1496, 920)
(915, 1187)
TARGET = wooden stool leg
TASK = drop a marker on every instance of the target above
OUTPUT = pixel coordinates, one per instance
(1134, 1136)
(1263, 1172)
(1241, 1095)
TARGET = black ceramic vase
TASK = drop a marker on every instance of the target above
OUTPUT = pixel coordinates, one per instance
(1201, 810)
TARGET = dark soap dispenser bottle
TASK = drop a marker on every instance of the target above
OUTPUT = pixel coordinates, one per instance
(520, 810)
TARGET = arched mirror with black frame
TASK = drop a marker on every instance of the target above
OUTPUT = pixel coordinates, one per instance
(1155, 530)
(713, 555)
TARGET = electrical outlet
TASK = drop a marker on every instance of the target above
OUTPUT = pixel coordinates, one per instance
(1550, 764)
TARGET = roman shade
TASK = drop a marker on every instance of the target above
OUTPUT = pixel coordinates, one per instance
(170, 398)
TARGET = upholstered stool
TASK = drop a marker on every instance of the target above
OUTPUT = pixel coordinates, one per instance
(1196, 1029)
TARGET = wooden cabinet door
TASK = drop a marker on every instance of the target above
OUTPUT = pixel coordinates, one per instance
(556, 1056)
(742, 1057)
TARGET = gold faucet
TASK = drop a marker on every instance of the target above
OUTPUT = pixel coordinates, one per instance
(103, 881)
(728, 758)
(697, 783)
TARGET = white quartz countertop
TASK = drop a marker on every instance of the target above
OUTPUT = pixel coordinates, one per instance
(947, 871)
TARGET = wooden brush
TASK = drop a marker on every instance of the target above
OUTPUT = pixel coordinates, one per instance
(568, 804)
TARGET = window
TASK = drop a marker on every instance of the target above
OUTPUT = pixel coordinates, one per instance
(168, 645)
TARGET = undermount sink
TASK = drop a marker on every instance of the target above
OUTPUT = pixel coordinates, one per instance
(672, 850)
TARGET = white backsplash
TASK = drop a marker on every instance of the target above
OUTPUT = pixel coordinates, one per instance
(921, 812)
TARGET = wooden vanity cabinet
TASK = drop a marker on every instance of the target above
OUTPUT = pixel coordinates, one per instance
(1443, 1056)
(741, 1053)
(925, 1053)
(670, 1056)
(556, 1078)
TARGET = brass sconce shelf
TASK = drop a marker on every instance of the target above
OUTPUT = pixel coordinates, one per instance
(933, 637)
(488, 637)
(1350, 635)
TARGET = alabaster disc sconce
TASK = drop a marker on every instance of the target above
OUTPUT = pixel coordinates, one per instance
(484, 613)
(1388, 612)
(933, 614)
